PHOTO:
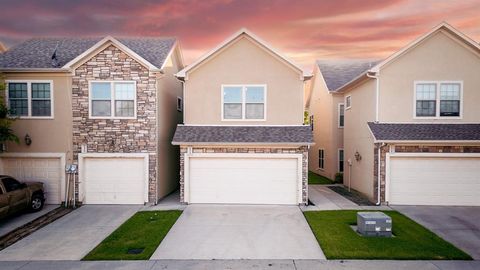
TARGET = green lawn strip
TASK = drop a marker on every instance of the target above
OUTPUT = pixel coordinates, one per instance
(143, 230)
(316, 179)
(411, 242)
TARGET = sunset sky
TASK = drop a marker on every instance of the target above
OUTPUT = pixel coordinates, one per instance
(303, 30)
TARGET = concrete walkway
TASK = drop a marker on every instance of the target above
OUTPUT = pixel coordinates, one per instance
(458, 225)
(13, 222)
(170, 202)
(324, 198)
(241, 265)
(240, 232)
(72, 236)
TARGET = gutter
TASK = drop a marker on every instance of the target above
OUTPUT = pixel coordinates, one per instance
(243, 143)
(66, 70)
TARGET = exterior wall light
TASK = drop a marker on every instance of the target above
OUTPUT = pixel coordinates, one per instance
(358, 157)
(28, 140)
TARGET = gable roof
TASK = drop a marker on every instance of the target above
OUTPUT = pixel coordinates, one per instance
(183, 73)
(337, 73)
(384, 132)
(442, 26)
(299, 135)
(37, 53)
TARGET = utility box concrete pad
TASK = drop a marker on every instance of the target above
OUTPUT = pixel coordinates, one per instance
(374, 224)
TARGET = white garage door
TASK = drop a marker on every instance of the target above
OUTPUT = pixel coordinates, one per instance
(114, 180)
(46, 170)
(243, 180)
(435, 181)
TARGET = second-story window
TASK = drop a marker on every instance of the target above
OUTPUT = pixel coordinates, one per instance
(438, 99)
(341, 115)
(348, 102)
(30, 99)
(243, 102)
(112, 99)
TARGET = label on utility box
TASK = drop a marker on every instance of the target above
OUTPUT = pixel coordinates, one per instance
(388, 229)
(377, 229)
(370, 222)
(388, 221)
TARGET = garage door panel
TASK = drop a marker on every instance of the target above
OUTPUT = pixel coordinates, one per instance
(243, 180)
(435, 181)
(114, 180)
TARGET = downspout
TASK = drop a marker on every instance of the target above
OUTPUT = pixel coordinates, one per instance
(377, 91)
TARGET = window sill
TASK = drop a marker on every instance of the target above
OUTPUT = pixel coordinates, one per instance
(32, 117)
(437, 117)
(112, 118)
(243, 120)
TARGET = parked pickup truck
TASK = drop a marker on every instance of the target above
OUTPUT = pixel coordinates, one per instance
(16, 196)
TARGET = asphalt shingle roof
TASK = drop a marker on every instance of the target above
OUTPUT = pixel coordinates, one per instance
(37, 52)
(425, 132)
(337, 73)
(243, 134)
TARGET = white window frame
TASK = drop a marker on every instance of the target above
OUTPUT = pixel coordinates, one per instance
(179, 104)
(338, 160)
(349, 97)
(437, 100)
(338, 115)
(112, 100)
(318, 162)
(29, 98)
(244, 88)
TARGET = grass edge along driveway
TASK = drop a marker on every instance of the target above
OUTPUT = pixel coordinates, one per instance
(145, 229)
(411, 242)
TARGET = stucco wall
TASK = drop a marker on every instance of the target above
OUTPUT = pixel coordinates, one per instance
(439, 58)
(244, 63)
(48, 135)
(116, 135)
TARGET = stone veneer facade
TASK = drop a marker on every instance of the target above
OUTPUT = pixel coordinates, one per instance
(412, 149)
(116, 135)
(271, 150)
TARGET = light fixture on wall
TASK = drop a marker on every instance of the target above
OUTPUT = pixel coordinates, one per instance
(27, 139)
(358, 157)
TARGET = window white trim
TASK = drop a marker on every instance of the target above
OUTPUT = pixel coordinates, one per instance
(179, 104)
(437, 103)
(349, 97)
(323, 158)
(338, 160)
(112, 100)
(29, 97)
(244, 87)
(338, 115)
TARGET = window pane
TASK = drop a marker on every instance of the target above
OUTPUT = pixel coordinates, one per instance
(41, 108)
(18, 107)
(426, 108)
(17, 90)
(341, 116)
(232, 111)
(426, 91)
(450, 91)
(255, 94)
(41, 90)
(450, 108)
(101, 108)
(124, 91)
(232, 94)
(348, 101)
(101, 90)
(124, 108)
(254, 111)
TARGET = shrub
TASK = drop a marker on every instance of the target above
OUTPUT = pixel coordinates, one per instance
(339, 178)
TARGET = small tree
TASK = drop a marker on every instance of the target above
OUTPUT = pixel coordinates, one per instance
(6, 132)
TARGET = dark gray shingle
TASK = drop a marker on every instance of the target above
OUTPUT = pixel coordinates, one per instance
(337, 73)
(242, 134)
(37, 52)
(425, 132)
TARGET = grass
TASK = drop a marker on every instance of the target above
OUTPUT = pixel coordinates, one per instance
(411, 242)
(143, 230)
(316, 179)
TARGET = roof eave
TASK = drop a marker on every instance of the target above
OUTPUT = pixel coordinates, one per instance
(426, 141)
(35, 70)
(244, 143)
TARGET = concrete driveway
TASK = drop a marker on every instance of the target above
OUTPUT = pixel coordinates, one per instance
(456, 224)
(11, 223)
(240, 232)
(72, 236)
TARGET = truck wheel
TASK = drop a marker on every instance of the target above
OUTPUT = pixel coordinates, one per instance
(36, 203)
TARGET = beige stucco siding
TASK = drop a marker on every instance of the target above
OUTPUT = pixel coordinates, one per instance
(357, 138)
(438, 58)
(244, 62)
(48, 135)
(326, 133)
(169, 88)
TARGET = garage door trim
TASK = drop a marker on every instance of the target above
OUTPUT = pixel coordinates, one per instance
(81, 169)
(389, 156)
(61, 156)
(187, 157)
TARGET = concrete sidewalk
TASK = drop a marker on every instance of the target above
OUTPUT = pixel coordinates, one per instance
(240, 264)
